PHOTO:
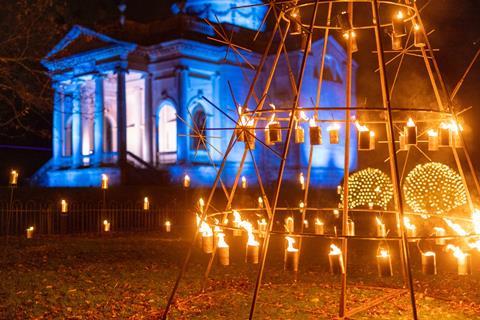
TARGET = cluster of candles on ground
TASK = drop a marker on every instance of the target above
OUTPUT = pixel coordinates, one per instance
(213, 237)
(446, 135)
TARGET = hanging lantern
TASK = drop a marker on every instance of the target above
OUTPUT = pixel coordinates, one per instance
(186, 181)
(260, 202)
(299, 135)
(262, 228)
(344, 22)
(410, 131)
(402, 140)
(315, 133)
(350, 228)
(397, 42)
(64, 206)
(273, 132)
(464, 260)
(237, 221)
(445, 135)
(296, 22)
(398, 24)
(384, 263)
(440, 232)
(351, 38)
(419, 37)
(455, 129)
(104, 181)
(381, 228)
(335, 260)
(291, 257)
(252, 246)
(366, 138)
(289, 224)
(319, 226)
(13, 178)
(223, 250)
(334, 133)
(429, 263)
(207, 237)
(201, 204)
(432, 140)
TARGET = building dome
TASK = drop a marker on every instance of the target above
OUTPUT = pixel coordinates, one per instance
(225, 11)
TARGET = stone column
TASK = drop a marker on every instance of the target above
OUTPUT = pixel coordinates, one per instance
(77, 127)
(57, 125)
(149, 119)
(98, 121)
(121, 121)
(183, 149)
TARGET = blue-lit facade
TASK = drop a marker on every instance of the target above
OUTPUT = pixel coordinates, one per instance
(127, 110)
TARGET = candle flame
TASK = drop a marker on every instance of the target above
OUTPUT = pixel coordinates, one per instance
(168, 223)
(236, 216)
(333, 126)
(318, 221)
(429, 253)
(455, 227)
(407, 223)
(361, 128)
(105, 222)
(384, 253)
(251, 237)
(432, 133)
(379, 222)
(410, 123)
(334, 250)
(288, 221)
(290, 247)
(312, 122)
(201, 203)
(262, 222)
(30, 228)
(221, 241)
(457, 252)
(399, 15)
(301, 178)
(303, 116)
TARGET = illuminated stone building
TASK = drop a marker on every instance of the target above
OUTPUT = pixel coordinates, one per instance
(126, 101)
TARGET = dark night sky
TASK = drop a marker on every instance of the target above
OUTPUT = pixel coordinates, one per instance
(457, 33)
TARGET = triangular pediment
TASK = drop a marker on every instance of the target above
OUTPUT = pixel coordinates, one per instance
(80, 40)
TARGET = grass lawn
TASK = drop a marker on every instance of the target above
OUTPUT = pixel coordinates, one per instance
(130, 276)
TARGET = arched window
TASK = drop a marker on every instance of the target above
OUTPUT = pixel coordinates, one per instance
(167, 134)
(67, 138)
(198, 132)
(108, 136)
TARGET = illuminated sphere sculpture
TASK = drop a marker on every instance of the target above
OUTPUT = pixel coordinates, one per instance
(369, 187)
(434, 188)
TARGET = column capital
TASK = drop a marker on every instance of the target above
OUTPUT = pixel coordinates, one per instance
(182, 69)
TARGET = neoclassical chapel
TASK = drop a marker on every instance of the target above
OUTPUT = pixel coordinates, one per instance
(126, 101)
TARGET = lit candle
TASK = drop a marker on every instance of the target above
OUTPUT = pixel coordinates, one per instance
(445, 135)
(306, 224)
(440, 232)
(370, 205)
(336, 213)
(245, 130)
(319, 226)
(201, 204)
(223, 250)
(410, 132)
(350, 228)
(207, 238)
(260, 202)
(237, 220)
(398, 23)
(410, 228)
(291, 256)
(13, 177)
(315, 133)
(429, 263)
(244, 182)
(301, 179)
(104, 181)
(403, 144)
(381, 228)
(273, 131)
(418, 36)
(64, 206)
(106, 226)
(335, 259)
(262, 228)
(186, 181)
(252, 249)
(397, 42)
(168, 226)
(146, 204)
(432, 140)
(333, 131)
(30, 232)
(339, 189)
(384, 263)
(456, 138)
(351, 38)
(289, 224)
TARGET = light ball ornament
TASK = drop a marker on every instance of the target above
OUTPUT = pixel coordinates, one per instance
(368, 187)
(434, 188)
